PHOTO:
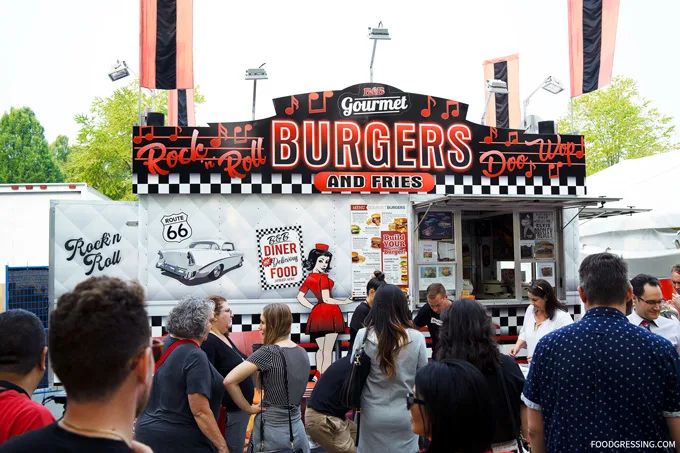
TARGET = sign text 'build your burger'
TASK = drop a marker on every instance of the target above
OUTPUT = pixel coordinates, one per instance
(366, 138)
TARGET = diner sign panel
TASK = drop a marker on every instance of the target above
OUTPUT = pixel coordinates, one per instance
(366, 138)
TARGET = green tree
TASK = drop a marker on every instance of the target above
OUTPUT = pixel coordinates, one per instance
(102, 155)
(619, 124)
(24, 153)
(59, 150)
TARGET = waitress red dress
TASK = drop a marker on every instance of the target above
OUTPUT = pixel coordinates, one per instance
(324, 318)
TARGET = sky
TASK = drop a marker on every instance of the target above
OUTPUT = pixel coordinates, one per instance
(56, 54)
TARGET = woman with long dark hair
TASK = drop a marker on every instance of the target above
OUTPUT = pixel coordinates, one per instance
(468, 334)
(545, 314)
(450, 407)
(397, 352)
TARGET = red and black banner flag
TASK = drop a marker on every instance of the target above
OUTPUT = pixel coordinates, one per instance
(592, 38)
(166, 44)
(503, 110)
(181, 108)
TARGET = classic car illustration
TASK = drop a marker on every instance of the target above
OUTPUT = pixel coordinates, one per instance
(203, 258)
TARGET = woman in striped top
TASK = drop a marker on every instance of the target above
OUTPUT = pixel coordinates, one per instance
(279, 399)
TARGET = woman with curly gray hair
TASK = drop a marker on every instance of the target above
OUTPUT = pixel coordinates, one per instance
(187, 390)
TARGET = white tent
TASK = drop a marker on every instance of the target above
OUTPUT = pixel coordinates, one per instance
(648, 241)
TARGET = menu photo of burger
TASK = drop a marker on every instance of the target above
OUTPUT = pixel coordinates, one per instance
(356, 229)
(374, 220)
(544, 250)
(356, 258)
(445, 271)
(376, 242)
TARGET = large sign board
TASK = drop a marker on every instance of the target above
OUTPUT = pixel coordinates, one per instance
(368, 138)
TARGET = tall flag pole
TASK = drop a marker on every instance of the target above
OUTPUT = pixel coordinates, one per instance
(592, 39)
(166, 54)
(504, 109)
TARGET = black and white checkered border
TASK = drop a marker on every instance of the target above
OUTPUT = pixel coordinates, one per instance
(509, 320)
(266, 231)
(257, 183)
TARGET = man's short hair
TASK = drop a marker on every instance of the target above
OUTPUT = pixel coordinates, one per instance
(22, 340)
(639, 281)
(676, 269)
(435, 289)
(604, 279)
(96, 332)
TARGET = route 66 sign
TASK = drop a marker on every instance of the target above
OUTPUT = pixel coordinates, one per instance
(176, 227)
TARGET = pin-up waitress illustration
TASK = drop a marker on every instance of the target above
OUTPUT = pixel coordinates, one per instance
(325, 321)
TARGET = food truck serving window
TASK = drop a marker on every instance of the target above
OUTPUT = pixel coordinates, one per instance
(490, 255)
(436, 252)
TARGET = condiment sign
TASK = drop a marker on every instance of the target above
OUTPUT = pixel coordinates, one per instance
(365, 138)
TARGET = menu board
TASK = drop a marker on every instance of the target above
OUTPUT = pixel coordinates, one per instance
(537, 235)
(435, 226)
(395, 257)
(546, 271)
(369, 222)
(446, 275)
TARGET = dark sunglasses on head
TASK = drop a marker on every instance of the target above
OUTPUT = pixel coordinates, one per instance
(157, 349)
(156, 352)
(411, 400)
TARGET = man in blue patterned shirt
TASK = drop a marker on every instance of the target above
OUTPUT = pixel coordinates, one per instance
(603, 384)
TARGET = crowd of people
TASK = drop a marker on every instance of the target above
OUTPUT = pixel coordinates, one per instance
(610, 381)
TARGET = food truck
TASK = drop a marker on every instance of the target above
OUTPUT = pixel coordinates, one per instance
(303, 207)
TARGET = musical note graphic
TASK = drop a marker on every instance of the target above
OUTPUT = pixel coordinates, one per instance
(425, 113)
(582, 151)
(149, 135)
(221, 133)
(314, 97)
(173, 137)
(556, 168)
(493, 133)
(513, 139)
(453, 108)
(294, 105)
(237, 130)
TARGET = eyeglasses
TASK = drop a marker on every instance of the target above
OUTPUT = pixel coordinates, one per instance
(653, 302)
(411, 400)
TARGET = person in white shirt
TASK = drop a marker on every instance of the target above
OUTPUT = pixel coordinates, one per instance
(647, 302)
(545, 314)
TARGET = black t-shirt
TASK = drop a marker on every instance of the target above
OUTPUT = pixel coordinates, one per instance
(427, 317)
(514, 380)
(54, 439)
(225, 359)
(357, 321)
(327, 394)
(167, 419)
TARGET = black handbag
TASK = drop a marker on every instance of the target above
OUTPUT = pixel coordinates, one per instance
(292, 448)
(355, 381)
(515, 425)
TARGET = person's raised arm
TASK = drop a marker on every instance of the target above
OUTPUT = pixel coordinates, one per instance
(232, 381)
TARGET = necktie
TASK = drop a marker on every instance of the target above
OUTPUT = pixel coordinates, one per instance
(646, 324)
